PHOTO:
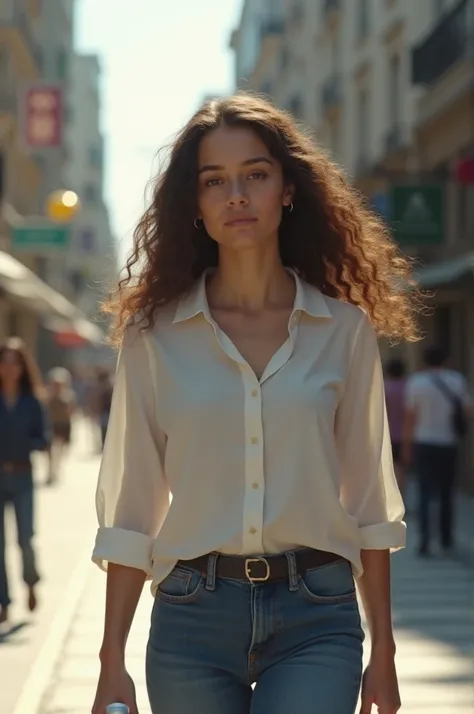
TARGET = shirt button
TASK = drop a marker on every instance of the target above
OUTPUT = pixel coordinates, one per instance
(252, 530)
(255, 485)
(254, 440)
(254, 392)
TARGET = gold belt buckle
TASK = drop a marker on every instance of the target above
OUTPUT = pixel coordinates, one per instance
(248, 561)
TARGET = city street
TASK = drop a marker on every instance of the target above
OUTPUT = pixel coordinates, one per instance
(49, 662)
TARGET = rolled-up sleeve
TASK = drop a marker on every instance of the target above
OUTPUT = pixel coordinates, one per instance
(132, 497)
(369, 490)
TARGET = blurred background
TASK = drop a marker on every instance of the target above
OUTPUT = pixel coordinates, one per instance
(385, 85)
(91, 89)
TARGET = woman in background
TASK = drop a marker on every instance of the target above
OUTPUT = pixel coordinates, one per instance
(22, 431)
(395, 391)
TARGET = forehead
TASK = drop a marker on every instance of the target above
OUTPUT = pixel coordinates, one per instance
(228, 145)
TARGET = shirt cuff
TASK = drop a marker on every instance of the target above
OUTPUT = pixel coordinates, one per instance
(383, 536)
(128, 548)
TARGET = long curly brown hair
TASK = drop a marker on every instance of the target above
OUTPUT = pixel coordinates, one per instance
(30, 380)
(331, 239)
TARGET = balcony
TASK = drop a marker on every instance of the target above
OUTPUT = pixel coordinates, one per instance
(331, 94)
(446, 44)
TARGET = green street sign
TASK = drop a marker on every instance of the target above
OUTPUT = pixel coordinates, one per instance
(417, 214)
(40, 236)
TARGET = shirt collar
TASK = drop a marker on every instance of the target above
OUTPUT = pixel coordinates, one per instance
(308, 299)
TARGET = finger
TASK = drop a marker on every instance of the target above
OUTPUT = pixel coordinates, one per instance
(366, 706)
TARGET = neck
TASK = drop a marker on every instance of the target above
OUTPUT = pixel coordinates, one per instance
(250, 282)
(10, 390)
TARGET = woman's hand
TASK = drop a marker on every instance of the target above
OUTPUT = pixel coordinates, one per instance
(115, 685)
(380, 685)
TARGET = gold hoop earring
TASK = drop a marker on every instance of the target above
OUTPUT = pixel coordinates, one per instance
(197, 225)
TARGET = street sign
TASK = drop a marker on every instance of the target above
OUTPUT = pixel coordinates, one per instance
(40, 236)
(417, 214)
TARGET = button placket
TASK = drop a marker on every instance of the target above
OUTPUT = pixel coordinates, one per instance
(254, 477)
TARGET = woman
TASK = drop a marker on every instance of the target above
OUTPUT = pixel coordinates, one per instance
(61, 405)
(22, 430)
(249, 387)
(395, 389)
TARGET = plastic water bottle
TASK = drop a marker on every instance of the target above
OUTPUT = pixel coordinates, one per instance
(117, 708)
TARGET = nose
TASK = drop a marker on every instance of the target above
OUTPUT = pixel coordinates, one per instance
(237, 194)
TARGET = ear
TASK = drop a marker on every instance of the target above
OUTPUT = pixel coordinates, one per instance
(288, 194)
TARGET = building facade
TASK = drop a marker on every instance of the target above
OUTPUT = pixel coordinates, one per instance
(387, 87)
(92, 263)
(36, 44)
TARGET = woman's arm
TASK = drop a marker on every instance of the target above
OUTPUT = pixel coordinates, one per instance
(132, 500)
(374, 589)
(370, 494)
(124, 587)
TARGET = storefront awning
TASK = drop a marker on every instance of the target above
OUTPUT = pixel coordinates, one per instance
(446, 271)
(27, 289)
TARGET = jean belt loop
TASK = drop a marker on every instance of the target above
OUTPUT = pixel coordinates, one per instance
(211, 571)
(293, 584)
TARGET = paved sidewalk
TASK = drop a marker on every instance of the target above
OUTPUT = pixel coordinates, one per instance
(432, 603)
(65, 523)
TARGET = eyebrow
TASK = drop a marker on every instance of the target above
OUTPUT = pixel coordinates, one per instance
(247, 162)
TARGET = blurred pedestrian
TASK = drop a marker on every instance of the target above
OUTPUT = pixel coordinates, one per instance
(395, 395)
(61, 403)
(250, 386)
(22, 431)
(438, 407)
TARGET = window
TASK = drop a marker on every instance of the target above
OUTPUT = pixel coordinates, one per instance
(95, 156)
(61, 64)
(394, 91)
(90, 194)
(4, 65)
(295, 106)
(363, 19)
(87, 240)
(363, 128)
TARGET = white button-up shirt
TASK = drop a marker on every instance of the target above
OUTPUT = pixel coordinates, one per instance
(203, 456)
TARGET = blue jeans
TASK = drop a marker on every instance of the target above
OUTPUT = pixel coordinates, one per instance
(17, 488)
(298, 640)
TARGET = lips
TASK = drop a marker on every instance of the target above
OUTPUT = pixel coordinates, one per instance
(241, 221)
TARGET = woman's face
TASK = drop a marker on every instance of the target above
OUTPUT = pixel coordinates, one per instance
(241, 190)
(11, 367)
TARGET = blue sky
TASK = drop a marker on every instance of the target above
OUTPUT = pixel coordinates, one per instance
(159, 58)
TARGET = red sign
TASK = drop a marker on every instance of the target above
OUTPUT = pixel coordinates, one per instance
(42, 114)
(464, 170)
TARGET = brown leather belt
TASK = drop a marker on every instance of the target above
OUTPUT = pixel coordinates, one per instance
(259, 569)
(10, 467)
